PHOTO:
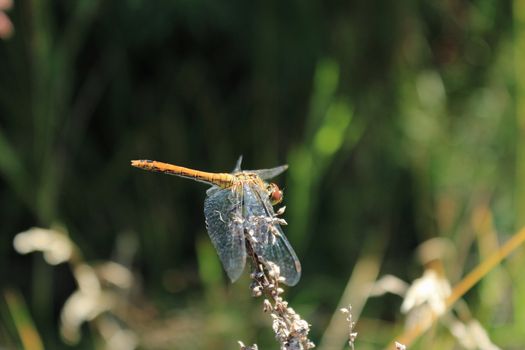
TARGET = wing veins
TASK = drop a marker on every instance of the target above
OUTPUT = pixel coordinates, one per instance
(295, 270)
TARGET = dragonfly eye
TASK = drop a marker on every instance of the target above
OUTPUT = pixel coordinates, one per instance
(275, 194)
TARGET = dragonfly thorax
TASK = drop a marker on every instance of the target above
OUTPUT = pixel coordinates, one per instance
(249, 177)
(275, 194)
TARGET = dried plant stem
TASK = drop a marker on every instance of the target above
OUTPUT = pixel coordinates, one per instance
(291, 331)
(465, 285)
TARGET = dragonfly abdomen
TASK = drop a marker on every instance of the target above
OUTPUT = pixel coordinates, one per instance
(222, 180)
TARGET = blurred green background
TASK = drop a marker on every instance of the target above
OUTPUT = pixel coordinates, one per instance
(400, 121)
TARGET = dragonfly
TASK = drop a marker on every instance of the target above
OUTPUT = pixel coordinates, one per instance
(240, 218)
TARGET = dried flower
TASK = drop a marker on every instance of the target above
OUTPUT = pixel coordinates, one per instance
(470, 334)
(55, 245)
(351, 324)
(400, 346)
(280, 211)
(291, 331)
(425, 296)
(244, 347)
(99, 288)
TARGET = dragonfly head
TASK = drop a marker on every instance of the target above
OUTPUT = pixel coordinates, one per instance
(275, 193)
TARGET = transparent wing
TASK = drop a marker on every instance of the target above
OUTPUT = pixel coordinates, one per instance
(266, 236)
(223, 212)
(282, 254)
(266, 174)
(238, 165)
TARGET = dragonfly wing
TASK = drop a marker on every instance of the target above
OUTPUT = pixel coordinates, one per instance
(222, 209)
(282, 254)
(212, 190)
(238, 165)
(266, 174)
(266, 236)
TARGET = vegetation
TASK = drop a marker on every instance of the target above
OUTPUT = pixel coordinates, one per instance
(402, 124)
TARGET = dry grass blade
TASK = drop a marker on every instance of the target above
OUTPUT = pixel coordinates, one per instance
(24, 325)
(357, 292)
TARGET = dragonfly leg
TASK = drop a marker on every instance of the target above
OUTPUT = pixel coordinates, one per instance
(220, 216)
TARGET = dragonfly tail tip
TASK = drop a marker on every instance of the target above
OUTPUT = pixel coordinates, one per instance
(139, 163)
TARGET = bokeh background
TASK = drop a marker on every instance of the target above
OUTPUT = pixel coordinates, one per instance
(401, 121)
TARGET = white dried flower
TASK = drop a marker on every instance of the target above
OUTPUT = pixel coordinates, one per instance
(244, 347)
(389, 284)
(267, 306)
(282, 222)
(116, 337)
(81, 307)
(431, 289)
(280, 211)
(257, 291)
(56, 246)
(274, 271)
(351, 324)
(94, 299)
(115, 274)
(471, 334)
(400, 346)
